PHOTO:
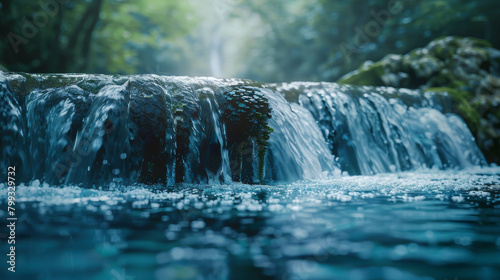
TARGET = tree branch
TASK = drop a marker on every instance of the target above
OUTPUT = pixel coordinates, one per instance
(88, 34)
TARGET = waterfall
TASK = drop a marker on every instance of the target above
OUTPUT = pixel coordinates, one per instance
(297, 149)
(96, 129)
(376, 130)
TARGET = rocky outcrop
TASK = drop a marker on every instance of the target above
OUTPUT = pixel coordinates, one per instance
(467, 69)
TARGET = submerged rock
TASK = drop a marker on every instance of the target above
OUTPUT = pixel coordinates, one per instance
(466, 69)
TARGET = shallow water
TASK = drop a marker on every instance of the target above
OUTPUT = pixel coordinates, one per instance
(420, 225)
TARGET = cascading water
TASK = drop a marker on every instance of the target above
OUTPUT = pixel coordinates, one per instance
(91, 129)
(297, 149)
(376, 130)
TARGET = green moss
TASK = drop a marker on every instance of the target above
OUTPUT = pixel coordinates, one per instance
(442, 52)
(246, 111)
(365, 76)
(456, 41)
(31, 82)
(177, 107)
(445, 78)
(477, 42)
(461, 106)
(58, 80)
(17, 83)
(94, 84)
(484, 53)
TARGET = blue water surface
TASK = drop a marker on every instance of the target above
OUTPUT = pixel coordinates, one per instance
(420, 225)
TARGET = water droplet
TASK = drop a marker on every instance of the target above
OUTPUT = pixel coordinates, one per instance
(392, 168)
(401, 250)
(177, 253)
(35, 184)
(116, 171)
(123, 156)
(198, 224)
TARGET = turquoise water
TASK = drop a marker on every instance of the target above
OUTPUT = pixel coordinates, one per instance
(419, 225)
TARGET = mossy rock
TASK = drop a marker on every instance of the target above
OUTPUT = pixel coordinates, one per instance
(461, 106)
(425, 66)
(365, 76)
(446, 79)
(17, 83)
(445, 47)
(94, 83)
(464, 69)
(246, 114)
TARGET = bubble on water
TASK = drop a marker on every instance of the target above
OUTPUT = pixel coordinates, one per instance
(401, 250)
(198, 224)
(430, 236)
(463, 240)
(170, 235)
(458, 199)
(358, 215)
(107, 250)
(174, 227)
(300, 233)
(413, 247)
(479, 193)
(140, 203)
(294, 207)
(177, 253)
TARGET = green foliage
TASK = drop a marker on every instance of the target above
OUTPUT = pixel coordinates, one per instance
(104, 36)
(264, 40)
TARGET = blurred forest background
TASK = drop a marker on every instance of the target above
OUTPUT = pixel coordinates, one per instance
(263, 40)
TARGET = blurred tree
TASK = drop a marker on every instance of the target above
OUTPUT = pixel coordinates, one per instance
(87, 36)
(264, 40)
(325, 39)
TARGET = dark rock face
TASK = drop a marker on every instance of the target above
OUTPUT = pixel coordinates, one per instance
(246, 127)
(466, 69)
